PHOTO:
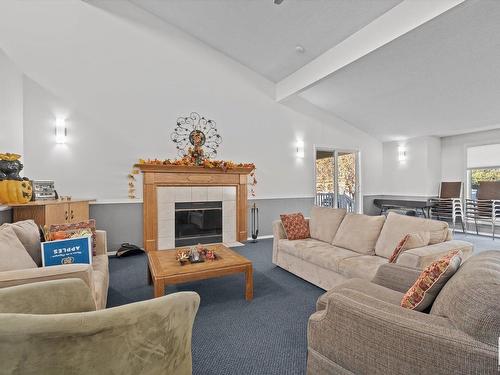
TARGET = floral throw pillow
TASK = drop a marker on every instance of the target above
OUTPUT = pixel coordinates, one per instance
(431, 281)
(410, 241)
(296, 226)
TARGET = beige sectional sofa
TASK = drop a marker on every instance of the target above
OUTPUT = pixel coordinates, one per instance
(345, 245)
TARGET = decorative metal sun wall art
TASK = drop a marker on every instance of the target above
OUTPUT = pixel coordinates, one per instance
(196, 131)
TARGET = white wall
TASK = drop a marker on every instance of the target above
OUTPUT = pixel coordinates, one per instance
(11, 106)
(420, 174)
(454, 148)
(122, 85)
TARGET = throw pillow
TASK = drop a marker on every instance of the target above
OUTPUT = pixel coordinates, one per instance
(12, 252)
(61, 231)
(29, 235)
(296, 226)
(410, 241)
(432, 279)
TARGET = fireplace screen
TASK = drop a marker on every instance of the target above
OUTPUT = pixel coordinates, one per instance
(198, 222)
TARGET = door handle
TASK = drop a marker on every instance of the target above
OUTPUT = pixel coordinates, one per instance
(66, 215)
(72, 215)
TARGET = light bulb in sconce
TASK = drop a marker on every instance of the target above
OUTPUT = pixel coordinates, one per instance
(402, 154)
(60, 130)
(300, 149)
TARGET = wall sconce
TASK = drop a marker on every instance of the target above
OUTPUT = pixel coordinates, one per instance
(60, 130)
(300, 149)
(401, 154)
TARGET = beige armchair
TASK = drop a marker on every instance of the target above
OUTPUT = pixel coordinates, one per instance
(360, 327)
(95, 276)
(52, 328)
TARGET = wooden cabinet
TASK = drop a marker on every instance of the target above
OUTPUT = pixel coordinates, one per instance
(52, 212)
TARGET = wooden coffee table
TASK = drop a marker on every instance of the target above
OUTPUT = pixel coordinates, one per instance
(164, 269)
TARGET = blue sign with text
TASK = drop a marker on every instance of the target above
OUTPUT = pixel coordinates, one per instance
(72, 250)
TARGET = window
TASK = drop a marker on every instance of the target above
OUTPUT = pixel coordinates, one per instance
(483, 164)
(336, 183)
(478, 175)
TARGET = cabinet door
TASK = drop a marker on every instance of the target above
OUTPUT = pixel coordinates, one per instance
(56, 213)
(78, 211)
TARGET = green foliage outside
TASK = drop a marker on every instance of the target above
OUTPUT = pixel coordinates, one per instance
(478, 175)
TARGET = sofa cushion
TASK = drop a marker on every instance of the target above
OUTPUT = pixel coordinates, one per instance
(29, 235)
(296, 247)
(470, 299)
(397, 226)
(13, 255)
(328, 256)
(316, 252)
(325, 222)
(296, 226)
(432, 279)
(359, 233)
(363, 286)
(363, 267)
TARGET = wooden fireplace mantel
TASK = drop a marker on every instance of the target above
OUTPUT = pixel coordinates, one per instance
(158, 175)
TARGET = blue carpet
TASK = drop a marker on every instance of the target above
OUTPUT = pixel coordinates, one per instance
(231, 335)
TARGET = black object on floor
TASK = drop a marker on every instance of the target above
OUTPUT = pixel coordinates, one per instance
(230, 335)
(127, 249)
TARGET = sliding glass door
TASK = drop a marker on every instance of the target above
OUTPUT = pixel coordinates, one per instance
(336, 178)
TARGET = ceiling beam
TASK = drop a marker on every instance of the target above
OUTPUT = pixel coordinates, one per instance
(399, 20)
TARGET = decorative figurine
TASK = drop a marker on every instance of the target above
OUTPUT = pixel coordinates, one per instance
(10, 166)
(13, 188)
(198, 132)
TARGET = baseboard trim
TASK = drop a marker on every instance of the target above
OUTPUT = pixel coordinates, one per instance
(261, 237)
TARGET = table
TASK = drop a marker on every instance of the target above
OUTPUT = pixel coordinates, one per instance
(385, 204)
(164, 269)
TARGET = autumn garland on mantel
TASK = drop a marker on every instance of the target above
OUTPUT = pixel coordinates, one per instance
(191, 160)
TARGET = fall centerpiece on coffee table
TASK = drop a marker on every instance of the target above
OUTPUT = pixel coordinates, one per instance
(195, 254)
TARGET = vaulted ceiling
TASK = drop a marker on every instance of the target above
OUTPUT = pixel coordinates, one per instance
(441, 76)
(262, 35)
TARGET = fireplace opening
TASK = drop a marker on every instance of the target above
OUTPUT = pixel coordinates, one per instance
(198, 222)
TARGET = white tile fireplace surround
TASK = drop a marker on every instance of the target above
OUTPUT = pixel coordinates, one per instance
(167, 196)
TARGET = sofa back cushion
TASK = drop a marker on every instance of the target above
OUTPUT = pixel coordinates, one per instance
(325, 222)
(28, 233)
(397, 226)
(471, 298)
(13, 255)
(359, 233)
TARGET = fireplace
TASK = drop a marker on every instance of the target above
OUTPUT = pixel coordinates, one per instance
(198, 222)
(166, 185)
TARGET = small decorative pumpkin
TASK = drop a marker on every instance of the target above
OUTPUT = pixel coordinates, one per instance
(13, 191)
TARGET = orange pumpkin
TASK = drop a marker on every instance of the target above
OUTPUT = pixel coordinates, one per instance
(13, 191)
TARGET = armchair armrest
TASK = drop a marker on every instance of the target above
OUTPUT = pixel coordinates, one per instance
(48, 297)
(365, 335)
(421, 257)
(33, 275)
(101, 242)
(278, 234)
(396, 277)
(152, 336)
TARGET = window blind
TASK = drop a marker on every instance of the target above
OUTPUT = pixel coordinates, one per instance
(486, 156)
